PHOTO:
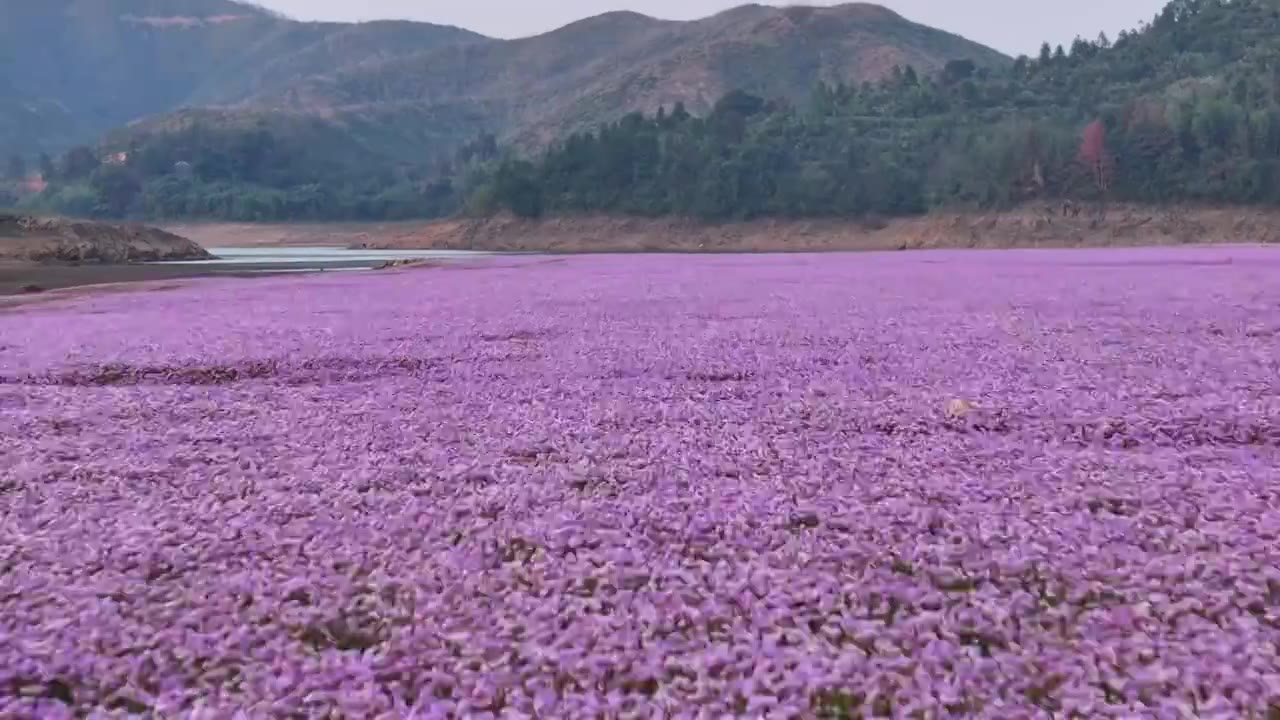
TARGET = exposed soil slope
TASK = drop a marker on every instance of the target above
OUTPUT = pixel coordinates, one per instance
(52, 240)
(1043, 226)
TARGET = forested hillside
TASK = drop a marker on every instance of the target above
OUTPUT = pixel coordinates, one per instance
(1185, 109)
(369, 120)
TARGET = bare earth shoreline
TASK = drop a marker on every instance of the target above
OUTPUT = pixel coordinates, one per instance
(34, 280)
(1030, 227)
(1046, 226)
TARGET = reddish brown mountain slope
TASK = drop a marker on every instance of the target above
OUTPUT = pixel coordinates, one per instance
(603, 67)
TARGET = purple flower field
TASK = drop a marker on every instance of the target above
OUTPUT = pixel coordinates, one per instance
(1029, 484)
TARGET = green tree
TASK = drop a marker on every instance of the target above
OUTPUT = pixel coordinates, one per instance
(957, 71)
(79, 163)
(117, 187)
(47, 171)
(517, 189)
(16, 168)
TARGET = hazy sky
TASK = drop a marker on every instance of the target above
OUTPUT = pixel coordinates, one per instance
(1014, 26)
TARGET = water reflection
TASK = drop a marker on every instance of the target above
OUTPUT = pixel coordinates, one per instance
(317, 257)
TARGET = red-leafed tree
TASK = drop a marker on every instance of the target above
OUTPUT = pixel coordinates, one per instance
(1094, 155)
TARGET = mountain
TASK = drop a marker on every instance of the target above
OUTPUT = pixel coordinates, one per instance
(848, 112)
(535, 89)
(601, 68)
(219, 108)
(72, 69)
(81, 67)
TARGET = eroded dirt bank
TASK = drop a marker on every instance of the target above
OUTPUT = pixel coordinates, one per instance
(1039, 226)
(1028, 227)
(26, 239)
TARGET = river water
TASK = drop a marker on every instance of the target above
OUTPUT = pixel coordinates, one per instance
(309, 258)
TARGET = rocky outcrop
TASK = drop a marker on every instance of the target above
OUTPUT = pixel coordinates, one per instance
(56, 240)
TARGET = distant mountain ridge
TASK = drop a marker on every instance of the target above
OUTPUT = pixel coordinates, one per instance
(78, 68)
(73, 69)
(603, 67)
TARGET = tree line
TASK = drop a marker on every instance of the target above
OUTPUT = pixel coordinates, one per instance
(254, 173)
